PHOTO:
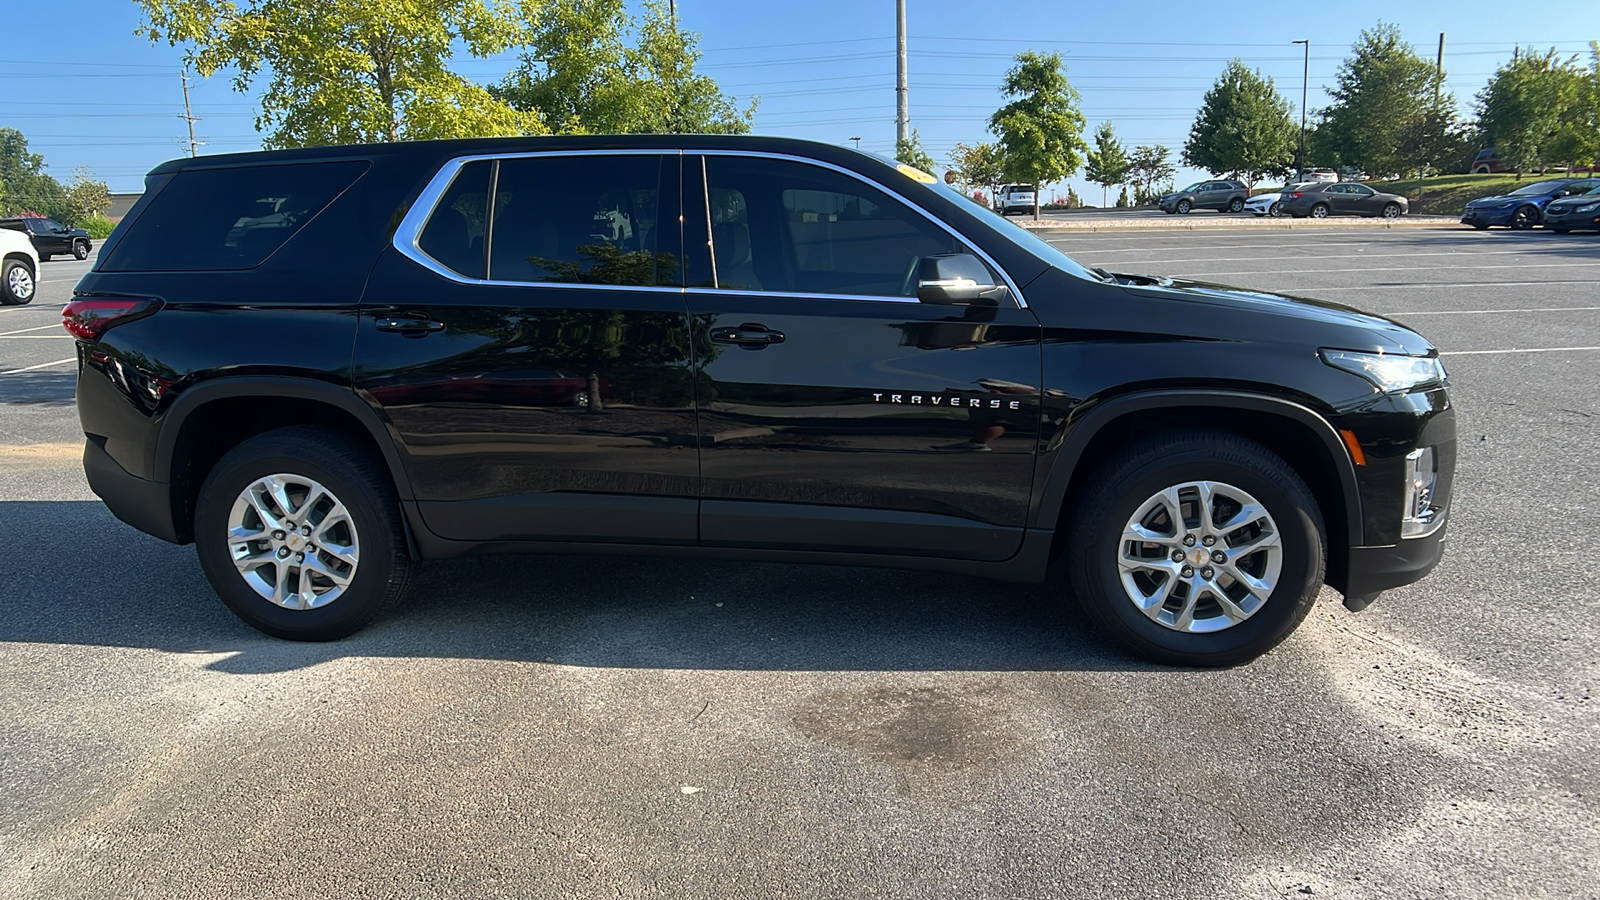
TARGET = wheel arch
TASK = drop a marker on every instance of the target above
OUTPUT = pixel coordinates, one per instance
(1305, 440)
(207, 420)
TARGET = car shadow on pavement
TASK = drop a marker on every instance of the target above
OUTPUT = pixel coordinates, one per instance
(75, 575)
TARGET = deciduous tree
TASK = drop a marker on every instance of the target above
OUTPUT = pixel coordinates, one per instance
(1243, 128)
(1384, 97)
(1107, 164)
(1150, 166)
(978, 165)
(351, 71)
(1538, 109)
(910, 152)
(1041, 128)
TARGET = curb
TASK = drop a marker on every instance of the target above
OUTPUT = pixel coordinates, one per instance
(1254, 224)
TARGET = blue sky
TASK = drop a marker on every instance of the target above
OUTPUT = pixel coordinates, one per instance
(87, 92)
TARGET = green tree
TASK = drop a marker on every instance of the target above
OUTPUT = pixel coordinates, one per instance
(1149, 167)
(1243, 128)
(1041, 130)
(1107, 164)
(1538, 109)
(910, 152)
(1384, 97)
(591, 68)
(351, 71)
(978, 165)
(24, 184)
(85, 197)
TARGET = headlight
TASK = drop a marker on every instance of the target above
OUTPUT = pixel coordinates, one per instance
(1588, 207)
(1389, 372)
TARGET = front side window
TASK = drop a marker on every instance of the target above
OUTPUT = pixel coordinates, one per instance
(588, 219)
(784, 226)
(1359, 190)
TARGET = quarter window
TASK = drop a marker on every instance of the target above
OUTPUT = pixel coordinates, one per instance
(785, 226)
(455, 231)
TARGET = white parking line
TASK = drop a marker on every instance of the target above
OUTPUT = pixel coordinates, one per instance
(1412, 255)
(22, 330)
(1570, 265)
(35, 337)
(1527, 350)
(59, 362)
(1441, 285)
(1470, 312)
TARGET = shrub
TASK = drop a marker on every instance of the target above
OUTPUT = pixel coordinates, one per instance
(98, 226)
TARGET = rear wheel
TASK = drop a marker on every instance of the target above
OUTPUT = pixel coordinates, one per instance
(1320, 211)
(1235, 205)
(1275, 210)
(17, 283)
(80, 249)
(299, 532)
(1197, 548)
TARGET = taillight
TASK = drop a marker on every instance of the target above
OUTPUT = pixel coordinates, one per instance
(88, 319)
(1296, 195)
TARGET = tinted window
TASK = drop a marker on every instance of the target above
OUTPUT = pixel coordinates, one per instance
(785, 226)
(454, 233)
(582, 220)
(1541, 187)
(212, 219)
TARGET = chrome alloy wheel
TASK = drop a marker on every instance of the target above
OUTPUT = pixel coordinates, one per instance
(293, 541)
(1200, 557)
(20, 282)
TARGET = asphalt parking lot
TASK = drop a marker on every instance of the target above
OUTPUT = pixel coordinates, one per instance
(566, 727)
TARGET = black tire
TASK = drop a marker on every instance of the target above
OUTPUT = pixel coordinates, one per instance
(1562, 230)
(1184, 206)
(1275, 210)
(1320, 211)
(15, 291)
(80, 249)
(1170, 212)
(1119, 487)
(1236, 205)
(1525, 218)
(1480, 226)
(358, 479)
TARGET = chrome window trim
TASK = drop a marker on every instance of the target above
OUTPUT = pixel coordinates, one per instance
(409, 231)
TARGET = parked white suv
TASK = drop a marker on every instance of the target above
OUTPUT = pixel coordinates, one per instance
(1016, 198)
(19, 269)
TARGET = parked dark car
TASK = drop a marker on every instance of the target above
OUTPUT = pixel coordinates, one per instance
(1345, 198)
(820, 358)
(1524, 207)
(1217, 195)
(1575, 211)
(50, 237)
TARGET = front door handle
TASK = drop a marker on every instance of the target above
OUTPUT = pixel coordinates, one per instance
(410, 326)
(747, 335)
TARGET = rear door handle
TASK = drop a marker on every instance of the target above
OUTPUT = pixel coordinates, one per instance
(747, 335)
(410, 326)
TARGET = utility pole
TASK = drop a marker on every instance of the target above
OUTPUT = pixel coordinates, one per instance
(189, 116)
(1305, 87)
(902, 116)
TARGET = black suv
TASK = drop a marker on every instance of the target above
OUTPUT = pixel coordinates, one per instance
(50, 237)
(325, 365)
(1229, 196)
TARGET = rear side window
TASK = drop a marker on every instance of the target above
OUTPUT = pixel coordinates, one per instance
(222, 219)
(455, 230)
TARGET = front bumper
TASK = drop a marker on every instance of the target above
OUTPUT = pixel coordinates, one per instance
(1377, 569)
(1590, 219)
(1487, 216)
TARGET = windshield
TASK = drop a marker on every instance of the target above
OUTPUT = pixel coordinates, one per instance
(1592, 192)
(1019, 235)
(1542, 187)
(1193, 187)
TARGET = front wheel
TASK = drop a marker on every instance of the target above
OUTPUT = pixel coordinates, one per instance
(17, 283)
(1197, 548)
(1184, 206)
(1391, 211)
(298, 531)
(1525, 218)
(1320, 211)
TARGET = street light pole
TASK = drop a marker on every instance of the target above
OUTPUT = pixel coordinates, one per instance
(1305, 86)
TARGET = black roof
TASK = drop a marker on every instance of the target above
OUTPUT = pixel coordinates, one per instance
(445, 149)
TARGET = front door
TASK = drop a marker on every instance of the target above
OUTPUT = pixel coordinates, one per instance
(837, 413)
(540, 390)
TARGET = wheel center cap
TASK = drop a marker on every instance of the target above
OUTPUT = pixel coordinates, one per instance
(295, 541)
(1199, 556)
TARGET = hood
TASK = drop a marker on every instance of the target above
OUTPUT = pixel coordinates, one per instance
(1272, 197)
(1505, 198)
(1349, 328)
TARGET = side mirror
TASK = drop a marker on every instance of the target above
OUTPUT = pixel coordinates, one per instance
(956, 279)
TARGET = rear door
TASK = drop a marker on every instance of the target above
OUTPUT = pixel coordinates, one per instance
(531, 354)
(837, 413)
